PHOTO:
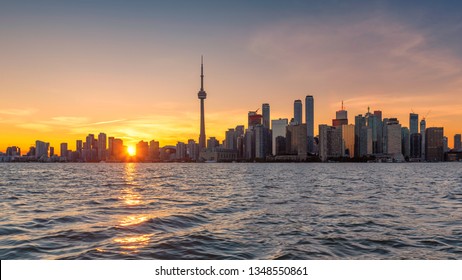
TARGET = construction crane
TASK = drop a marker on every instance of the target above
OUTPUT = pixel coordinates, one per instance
(426, 115)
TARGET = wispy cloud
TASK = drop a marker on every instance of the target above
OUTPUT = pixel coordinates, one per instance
(17, 112)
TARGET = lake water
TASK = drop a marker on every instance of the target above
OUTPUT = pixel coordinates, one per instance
(231, 211)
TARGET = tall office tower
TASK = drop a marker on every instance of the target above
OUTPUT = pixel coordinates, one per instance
(110, 147)
(378, 115)
(309, 119)
(416, 146)
(52, 151)
(260, 142)
(361, 136)
(457, 142)
(41, 149)
(180, 150)
(423, 126)
(102, 146)
(192, 150)
(142, 151)
(240, 137)
(202, 95)
(298, 108)
(266, 115)
(249, 144)
(254, 119)
(154, 150)
(79, 148)
(434, 144)
(63, 150)
(230, 139)
(296, 140)
(393, 133)
(348, 140)
(405, 142)
(372, 123)
(118, 149)
(89, 146)
(341, 117)
(279, 130)
(413, 123)
(445, 144)
(330, 142)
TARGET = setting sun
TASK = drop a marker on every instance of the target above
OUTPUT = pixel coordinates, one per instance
(131, 151)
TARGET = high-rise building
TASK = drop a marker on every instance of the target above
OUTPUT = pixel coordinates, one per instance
(296, 140)
(393, 138)
(52, 151)
(278, 130)
(341, 117)
(378, 116)
(405, 142)
(110, 148)
(413, 123)
(457, 142)
(154, 150)
(423, 126)
(309, 119)
(192, 150)
(363, 137)
(118, 149)
(63, 150)
(298, 108)
(89, 147)
(41, 150)
(102, 146)
(230, 139)
(372, 123)
(266, 115)
(348, 140)
(202, 95)
(254, 119)
(79, 148)
(142, 151)
(330, 142)
(434, 149)
(416, 146)
(181, 150)
(445, 144)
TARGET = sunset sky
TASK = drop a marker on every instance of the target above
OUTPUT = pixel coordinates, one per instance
(131, 68)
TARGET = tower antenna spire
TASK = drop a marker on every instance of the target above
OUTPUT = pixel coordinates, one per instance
(202, 72)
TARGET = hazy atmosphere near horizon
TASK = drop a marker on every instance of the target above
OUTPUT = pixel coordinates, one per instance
(131, 68)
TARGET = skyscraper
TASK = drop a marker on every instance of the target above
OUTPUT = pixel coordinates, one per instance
(298, 108)
(393, 133)
(63, 150)
(457, 142)
(309, 119)
(202, 95)
(341, 117)
(413, 123)
(279, 130)
(423, 126)
(266, 115)
(434, 144)
(102, 146)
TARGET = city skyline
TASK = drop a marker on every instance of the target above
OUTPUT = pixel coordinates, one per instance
(130, 70)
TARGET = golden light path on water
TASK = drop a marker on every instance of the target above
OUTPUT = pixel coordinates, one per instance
(131, 198)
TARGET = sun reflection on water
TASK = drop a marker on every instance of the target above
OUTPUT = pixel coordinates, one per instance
(134, 242)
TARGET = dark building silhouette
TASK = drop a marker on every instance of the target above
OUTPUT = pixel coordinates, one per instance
(434, 148)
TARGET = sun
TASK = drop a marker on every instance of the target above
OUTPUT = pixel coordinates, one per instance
(131, 150)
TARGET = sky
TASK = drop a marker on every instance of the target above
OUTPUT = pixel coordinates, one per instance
(131, 69)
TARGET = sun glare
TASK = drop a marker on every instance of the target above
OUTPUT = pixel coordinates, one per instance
(131, 150)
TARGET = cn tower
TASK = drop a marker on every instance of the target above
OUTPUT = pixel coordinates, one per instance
(202, 95)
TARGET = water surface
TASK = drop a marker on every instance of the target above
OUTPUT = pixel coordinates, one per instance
(231, 211)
